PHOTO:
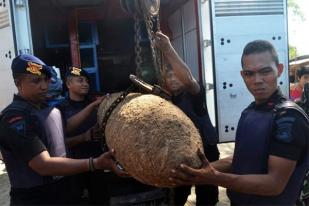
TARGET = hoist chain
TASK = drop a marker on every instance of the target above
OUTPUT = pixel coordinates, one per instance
(138, 48)
(156, 54)
(151, 35)
(160, 58)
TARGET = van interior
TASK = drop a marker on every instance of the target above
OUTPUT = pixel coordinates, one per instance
(98, 35)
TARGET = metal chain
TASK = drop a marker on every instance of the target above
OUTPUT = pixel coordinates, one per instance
(159, 53)
(108, 114)
(158, 23)
(138, 48)
(156, 56)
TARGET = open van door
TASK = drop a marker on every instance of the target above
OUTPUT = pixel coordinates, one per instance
(7, 53)
(22, 27)
(227, 26)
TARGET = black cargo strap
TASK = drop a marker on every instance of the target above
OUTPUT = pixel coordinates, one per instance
(108, 114)
(291, 105)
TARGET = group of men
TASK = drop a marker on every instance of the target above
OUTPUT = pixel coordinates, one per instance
(52, 153)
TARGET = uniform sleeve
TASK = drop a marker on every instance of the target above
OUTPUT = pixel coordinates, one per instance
(198, 101)
(290, 137)
(19, 137)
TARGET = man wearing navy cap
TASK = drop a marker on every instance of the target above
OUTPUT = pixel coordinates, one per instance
(32, 142)
(81, 143)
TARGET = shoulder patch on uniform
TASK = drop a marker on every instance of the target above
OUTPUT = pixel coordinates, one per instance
(18, 125)
(284, 126)
(15, 119)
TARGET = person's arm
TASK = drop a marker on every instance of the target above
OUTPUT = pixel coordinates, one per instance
(180, 68)
(78, 139)
(223, 165)
(45, 165)
(270, 184)
(75, 121)
(18, 136)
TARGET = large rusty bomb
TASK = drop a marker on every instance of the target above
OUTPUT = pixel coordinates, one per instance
(151, 136)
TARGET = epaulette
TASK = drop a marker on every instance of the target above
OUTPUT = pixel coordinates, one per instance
(288, 104)
(21, 107)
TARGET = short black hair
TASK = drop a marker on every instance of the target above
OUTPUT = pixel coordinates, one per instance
(260, 46)
(18, 77)
(302, 71)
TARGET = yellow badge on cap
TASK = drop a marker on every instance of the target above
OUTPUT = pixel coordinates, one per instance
(34, 68)
(76, 71)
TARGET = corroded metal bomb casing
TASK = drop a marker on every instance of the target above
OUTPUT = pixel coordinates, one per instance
(151, 137)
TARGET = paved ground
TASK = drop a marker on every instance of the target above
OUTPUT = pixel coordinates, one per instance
(4, 186)
(225, 150)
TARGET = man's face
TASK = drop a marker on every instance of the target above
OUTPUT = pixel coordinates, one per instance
(304, 79)
(260, 74)
(78, 85)
(174, 85)
(33, 88)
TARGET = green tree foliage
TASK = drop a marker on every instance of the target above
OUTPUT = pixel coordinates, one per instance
(297, 12)
(294, 7)
(292, 52)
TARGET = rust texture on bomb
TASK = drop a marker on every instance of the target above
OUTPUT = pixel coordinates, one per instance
(151, 136)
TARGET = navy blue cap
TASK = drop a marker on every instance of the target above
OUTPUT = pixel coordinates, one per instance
(75, 71)
(29, 64)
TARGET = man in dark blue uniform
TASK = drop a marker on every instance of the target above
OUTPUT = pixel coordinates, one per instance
(103, 187)
(81, 141)
(189, 96)
(32, 142)
(271, 151)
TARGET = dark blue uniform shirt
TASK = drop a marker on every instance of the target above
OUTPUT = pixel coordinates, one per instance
(263, 131)
(85, 149)
(26, 131)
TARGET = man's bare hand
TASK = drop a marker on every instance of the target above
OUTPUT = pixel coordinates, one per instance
(162, 42)
(185, 175)
(106, 162)
(97, 102)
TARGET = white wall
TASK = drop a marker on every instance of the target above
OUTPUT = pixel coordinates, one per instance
(236, 23)
(7, 53)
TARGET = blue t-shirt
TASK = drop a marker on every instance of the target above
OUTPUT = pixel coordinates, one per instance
(86, 149)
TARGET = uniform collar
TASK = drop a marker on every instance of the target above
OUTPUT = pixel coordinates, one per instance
(273, 100)
(74, 102)
(19, 98)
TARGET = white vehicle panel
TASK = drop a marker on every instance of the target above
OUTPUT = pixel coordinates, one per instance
(7, 53)
(234, 24)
